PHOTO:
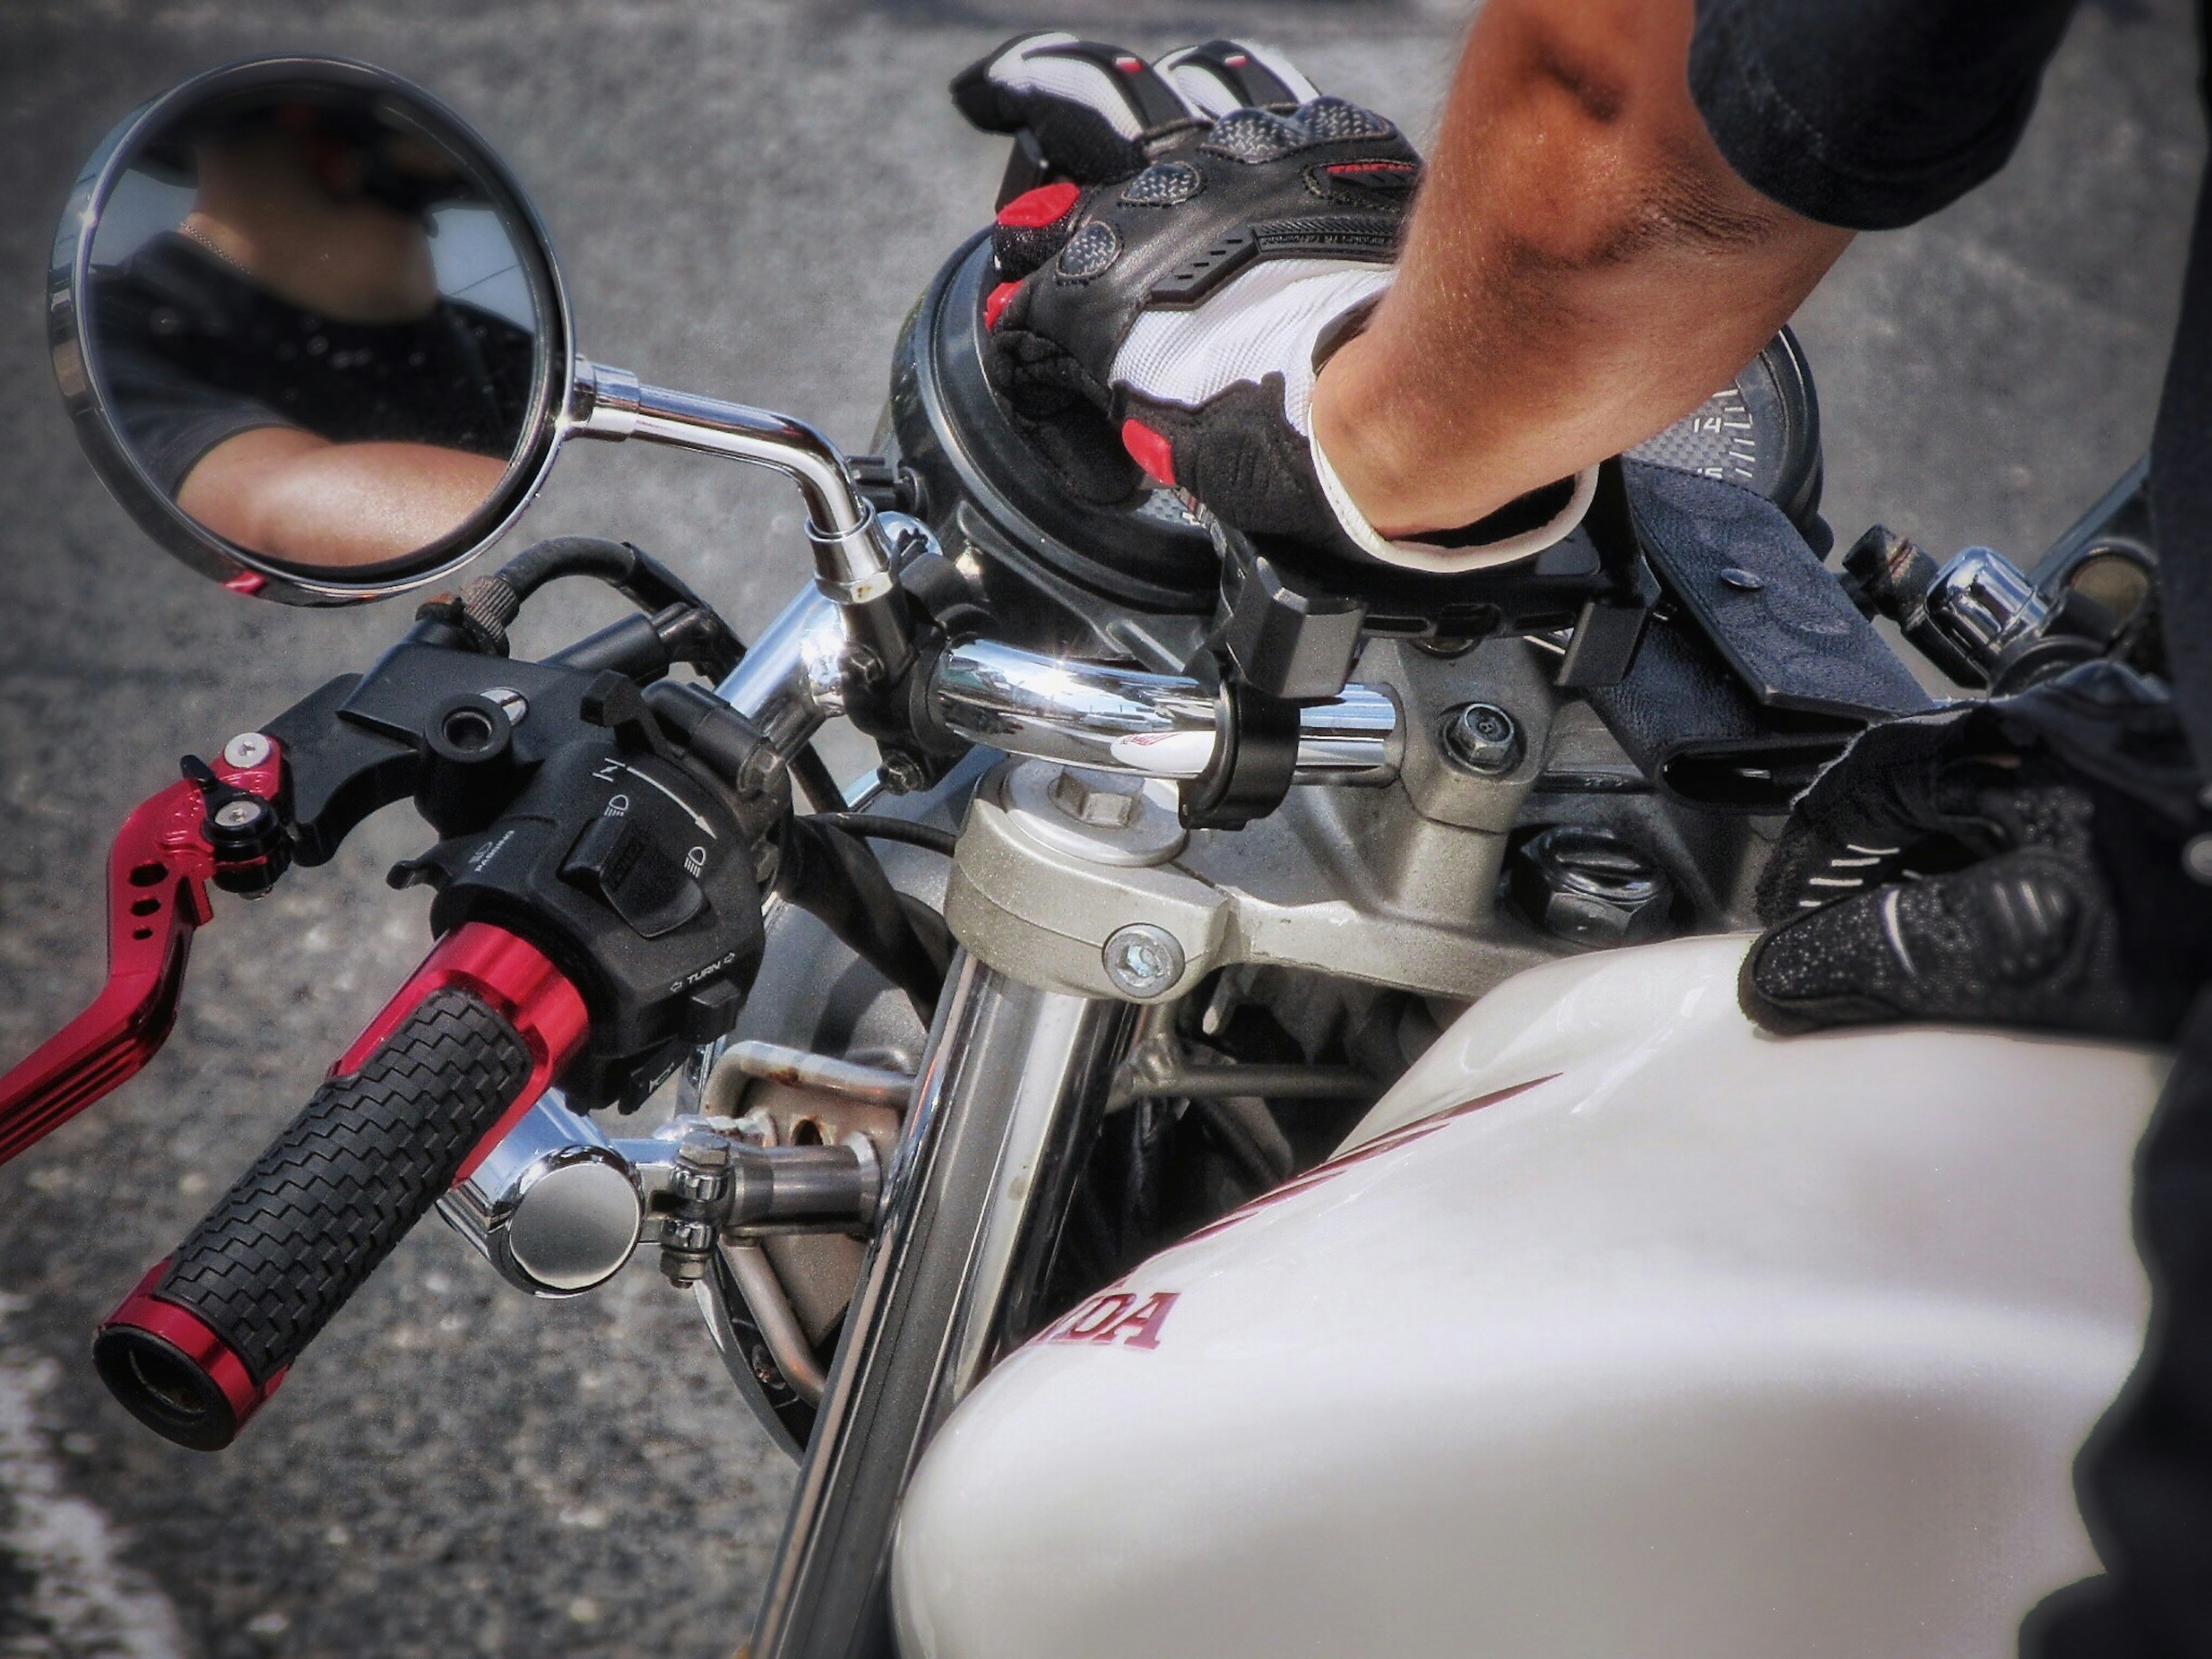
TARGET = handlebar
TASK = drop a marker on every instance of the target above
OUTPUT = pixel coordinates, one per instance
(430, 1088)
(1085, 714)
(1124, 720)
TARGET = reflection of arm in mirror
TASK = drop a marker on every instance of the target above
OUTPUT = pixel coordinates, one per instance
(242, 405)
(285, 363)
(302, 499)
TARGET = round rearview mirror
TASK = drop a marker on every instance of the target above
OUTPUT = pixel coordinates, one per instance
(310, 329)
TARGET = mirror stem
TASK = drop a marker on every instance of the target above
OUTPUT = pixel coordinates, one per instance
(851, 559)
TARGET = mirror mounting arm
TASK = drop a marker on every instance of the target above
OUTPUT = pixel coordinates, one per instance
(851, 555)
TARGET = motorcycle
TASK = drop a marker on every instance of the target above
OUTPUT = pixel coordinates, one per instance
(1238, 1136)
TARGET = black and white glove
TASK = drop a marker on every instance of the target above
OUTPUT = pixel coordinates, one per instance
(1166, 302)
(2037, 861)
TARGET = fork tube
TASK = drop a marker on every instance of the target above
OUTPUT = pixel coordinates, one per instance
(975, 1197)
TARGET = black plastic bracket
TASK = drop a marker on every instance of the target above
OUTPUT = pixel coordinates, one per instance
(1254, 760)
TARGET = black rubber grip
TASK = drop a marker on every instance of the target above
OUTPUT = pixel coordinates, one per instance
(300, 1231)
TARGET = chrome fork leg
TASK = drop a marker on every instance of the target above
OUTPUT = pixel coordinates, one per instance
(975, 1200)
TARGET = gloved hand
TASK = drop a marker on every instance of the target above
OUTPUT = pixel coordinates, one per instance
(1167, 302)
(2031, 860)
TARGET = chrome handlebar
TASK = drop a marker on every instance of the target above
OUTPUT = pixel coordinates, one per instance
(1082, 713)
(1152, 726)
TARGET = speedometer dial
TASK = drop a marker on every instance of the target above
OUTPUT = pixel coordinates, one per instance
(1762, 431)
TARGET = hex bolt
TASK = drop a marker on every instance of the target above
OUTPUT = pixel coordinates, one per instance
(2197, 859)
(683, 1252)
(1143, 960)
(1482, 738)
(901, 773)
(1086, 802)
(1588, 887)
(702, 1182)
(246, 749)
(237, 814)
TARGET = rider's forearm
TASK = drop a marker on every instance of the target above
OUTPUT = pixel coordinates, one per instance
(1582, 267)
(297, 497)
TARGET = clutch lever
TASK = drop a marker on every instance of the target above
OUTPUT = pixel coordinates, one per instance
(219, 823)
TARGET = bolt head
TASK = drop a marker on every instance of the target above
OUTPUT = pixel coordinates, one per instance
(901, 773)
(1143, 960)
(2197, 859)
(1590, 887)
(247, 749)
(237, 814)
(703, 1150)
(1092, 801)
(1482, 738)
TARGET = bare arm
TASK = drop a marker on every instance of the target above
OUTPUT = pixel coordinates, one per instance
(303, 499)
(1582, 269)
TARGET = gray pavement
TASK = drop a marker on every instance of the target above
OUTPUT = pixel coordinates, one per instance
(747, 194)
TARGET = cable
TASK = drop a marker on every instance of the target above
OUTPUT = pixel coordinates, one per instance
(812, 772)
(879, 828)
(836, 878)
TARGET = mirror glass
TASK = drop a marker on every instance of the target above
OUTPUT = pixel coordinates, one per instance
(322, 329)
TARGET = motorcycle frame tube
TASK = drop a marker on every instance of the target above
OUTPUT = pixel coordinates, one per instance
(972, 1210)
(748, 1354)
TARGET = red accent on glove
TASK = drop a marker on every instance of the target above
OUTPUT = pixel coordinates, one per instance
(1033, 210)
(1150, 451)
(995, 302)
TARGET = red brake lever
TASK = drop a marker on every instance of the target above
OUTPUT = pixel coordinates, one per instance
(157, 875)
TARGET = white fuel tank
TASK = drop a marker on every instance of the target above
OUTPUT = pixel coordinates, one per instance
(1618, 1330)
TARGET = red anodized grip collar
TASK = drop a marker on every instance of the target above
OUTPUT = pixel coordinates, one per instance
(184, 1331)
(506, 972)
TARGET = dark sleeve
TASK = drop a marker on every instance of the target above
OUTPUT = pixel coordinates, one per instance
(1869, 113)
(168, 419)
(2145, 1477)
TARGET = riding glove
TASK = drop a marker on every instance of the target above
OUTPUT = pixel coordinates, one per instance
(2029, 861)
(1166, 304)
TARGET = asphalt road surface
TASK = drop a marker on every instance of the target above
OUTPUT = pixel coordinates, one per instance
(746, 194)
